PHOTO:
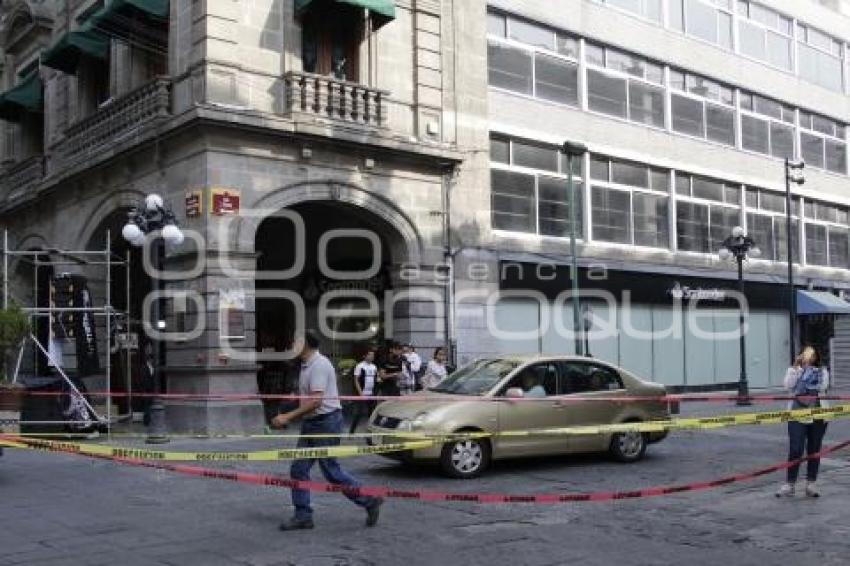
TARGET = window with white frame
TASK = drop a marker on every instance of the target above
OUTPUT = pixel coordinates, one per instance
(629, 203)
(701, 107)
(529, 188)
(537, 61)
(624, 85)
(827, 239)
(649, 9)
(709, 20)
(820, 57)
(765, 34)
(822, 142)
(767, 126)
(533, 60)
(767, 223)
(706, 212)
(762, 33)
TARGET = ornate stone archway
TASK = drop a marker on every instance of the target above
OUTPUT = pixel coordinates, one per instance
(241, 234)
(118, 200)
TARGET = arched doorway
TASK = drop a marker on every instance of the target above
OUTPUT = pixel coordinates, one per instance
(351, 239)
(129, 284)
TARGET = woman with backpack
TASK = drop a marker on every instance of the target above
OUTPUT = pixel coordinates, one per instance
(806, 380)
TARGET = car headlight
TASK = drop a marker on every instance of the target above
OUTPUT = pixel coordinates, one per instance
(416, 423)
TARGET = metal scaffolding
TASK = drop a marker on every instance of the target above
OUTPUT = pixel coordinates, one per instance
(54, 258)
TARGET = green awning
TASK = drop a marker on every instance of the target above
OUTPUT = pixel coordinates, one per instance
(65, 54)
(382, 10)
(28, 96)
(119, 17)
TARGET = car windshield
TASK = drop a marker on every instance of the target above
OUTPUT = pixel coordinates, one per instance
(476, 378)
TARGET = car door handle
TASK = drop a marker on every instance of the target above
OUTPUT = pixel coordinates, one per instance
(559, 405)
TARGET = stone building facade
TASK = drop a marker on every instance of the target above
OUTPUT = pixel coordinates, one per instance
(434, 125)
(196, 98)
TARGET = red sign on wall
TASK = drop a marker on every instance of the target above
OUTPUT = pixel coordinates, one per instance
(225, 202)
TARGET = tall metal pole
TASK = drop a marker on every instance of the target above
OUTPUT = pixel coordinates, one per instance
(109, 336)
(743, 385)
(158, 432)
(792, 295)
(5, 269)
(577, 326)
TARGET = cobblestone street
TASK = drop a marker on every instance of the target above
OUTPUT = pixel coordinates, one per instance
(63, 509)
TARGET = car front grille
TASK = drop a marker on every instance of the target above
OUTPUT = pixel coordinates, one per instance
(386, 422)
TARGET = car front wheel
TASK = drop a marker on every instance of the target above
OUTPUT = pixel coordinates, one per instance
(466, 458)
(628, 446)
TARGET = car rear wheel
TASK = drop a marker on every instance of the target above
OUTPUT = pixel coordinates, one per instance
(466, 458)
(628, 446)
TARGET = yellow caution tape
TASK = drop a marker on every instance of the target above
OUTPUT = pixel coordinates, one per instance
(132, 453)
(698, 423)
(694, 423)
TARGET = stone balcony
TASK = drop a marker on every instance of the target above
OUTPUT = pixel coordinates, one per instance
(325, 98)
(116, 121)
(19, 177)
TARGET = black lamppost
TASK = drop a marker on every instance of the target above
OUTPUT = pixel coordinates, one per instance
(572, 150)
(158, 222)
(739, 246)
(587, 316)
(793, 174)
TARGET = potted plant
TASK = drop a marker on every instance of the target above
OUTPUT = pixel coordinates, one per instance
(14, 327)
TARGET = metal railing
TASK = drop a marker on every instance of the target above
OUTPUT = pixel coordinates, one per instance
(119, 118)
(21, 176)
(326, 97)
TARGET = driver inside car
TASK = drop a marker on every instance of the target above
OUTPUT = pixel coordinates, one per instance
(531, 385)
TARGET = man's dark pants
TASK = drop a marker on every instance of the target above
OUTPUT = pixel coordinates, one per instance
(330, 423)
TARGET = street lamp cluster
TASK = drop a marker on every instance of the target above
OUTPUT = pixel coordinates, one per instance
(740, 247)
(157, 221)
(153, 217)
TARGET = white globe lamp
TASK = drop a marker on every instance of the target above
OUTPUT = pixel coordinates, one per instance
(154, 202)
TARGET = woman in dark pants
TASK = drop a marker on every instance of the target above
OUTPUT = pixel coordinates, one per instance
(806, 380)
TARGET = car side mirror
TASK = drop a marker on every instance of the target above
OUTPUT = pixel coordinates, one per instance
(515, 393)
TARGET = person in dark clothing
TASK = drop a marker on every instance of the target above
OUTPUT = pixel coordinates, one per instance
(391, 372)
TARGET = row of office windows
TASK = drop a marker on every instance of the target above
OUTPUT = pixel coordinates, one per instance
(635, 204)
(539, 62)
(753, 30)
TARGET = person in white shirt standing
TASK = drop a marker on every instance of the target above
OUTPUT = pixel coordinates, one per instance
(321, 425)
(365, 378)
(436, 370)
(411, 364)
(806, 380)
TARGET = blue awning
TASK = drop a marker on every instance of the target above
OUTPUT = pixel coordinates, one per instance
(821, 302)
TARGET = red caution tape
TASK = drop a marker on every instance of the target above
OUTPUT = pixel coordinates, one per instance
(465, 398)
(489, 498)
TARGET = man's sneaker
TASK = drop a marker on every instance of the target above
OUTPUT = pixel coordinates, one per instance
(787, 490)
(373, 512)
(296, 525)
(812, 490)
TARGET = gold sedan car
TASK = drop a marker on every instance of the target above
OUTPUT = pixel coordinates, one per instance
(520, 394)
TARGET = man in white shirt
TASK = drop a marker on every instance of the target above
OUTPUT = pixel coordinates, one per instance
(321, 411)
(412, 363)
(365, 378)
